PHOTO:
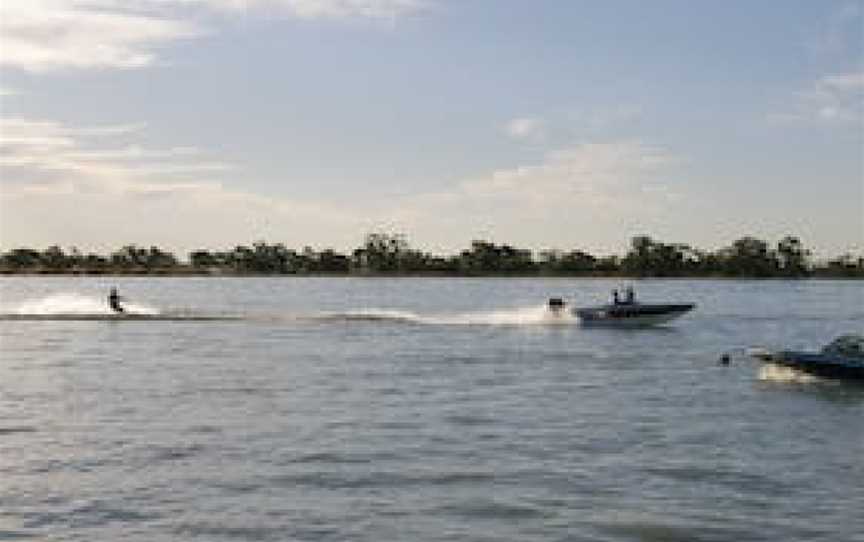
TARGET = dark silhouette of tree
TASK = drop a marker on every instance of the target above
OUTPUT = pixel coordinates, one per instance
(329, 261)
(609, 265)
(204, 259)
(55, 259)
(380, 253)
(484, 257)
(21, 259)
(641, 258)
(748, 257)
(792, 257)
(157, 258)
(260, 258)
(385, 253)
(129, 257)
(845, 266)
(556, 262)
(649, 258)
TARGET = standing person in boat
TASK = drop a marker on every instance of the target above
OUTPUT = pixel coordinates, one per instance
(114, 301)
(615, 299)
(630, 296)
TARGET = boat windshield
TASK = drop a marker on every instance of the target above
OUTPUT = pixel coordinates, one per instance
(847, 345)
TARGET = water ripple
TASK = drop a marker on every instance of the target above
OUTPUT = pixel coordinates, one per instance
(11, 430)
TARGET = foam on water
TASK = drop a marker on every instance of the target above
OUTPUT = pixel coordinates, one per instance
(534, 315)
(71, 305)
(781, 373)
(75, 304)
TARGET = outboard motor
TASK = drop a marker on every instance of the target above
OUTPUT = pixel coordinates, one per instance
(556, 304)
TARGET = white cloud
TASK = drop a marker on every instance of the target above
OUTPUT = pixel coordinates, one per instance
(76, 186)
(846, 82)
(321, 9)
(68, 185)
(834, 99)
(177, 216)
(35, 152)
(590, 191)
(45, 35)
(601, 119)
(589, 169)
(526, 129)
(51, 35)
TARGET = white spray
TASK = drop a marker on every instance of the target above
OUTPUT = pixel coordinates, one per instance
(72, 303)
(535, 315)
(781, 373)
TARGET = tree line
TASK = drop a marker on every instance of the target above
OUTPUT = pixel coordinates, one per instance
(391, 254)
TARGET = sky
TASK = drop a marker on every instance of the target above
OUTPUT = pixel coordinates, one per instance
(539, 123)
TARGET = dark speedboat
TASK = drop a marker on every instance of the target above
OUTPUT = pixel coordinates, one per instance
(842, 358)
(632, 314)
(625, 313)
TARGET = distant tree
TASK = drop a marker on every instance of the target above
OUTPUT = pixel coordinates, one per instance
(94, 263)
(205, 259)
(22, 259)
(792, 257)
(488, 258)
(481, 258)
(329, 261)
(380, 253)
(74, 258)
(845, 266)
(609, 265)
(556, 262)
(129, 257)
(640, 260)
(157, 258)
(649, 258)
(386, 253)
(749, 257)
(54, 258)
(696, 262)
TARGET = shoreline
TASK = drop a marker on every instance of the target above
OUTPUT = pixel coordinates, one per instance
(206, 274)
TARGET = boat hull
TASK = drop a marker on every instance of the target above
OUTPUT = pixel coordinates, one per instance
(820, 364)
(631, 315)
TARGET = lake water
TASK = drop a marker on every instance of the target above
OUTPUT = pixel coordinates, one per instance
(350, 409)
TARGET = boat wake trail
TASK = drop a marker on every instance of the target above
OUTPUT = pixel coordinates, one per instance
(76, 307)
(75, 304)
(535, 315)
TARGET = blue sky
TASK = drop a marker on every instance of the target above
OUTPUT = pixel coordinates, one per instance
(567, 124)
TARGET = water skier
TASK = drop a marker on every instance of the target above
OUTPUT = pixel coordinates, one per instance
(114, 301)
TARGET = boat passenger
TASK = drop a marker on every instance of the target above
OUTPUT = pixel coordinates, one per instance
(114, 301)
(630, 296)
(615, 299)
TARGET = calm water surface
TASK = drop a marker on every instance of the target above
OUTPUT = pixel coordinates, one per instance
(423, 409)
